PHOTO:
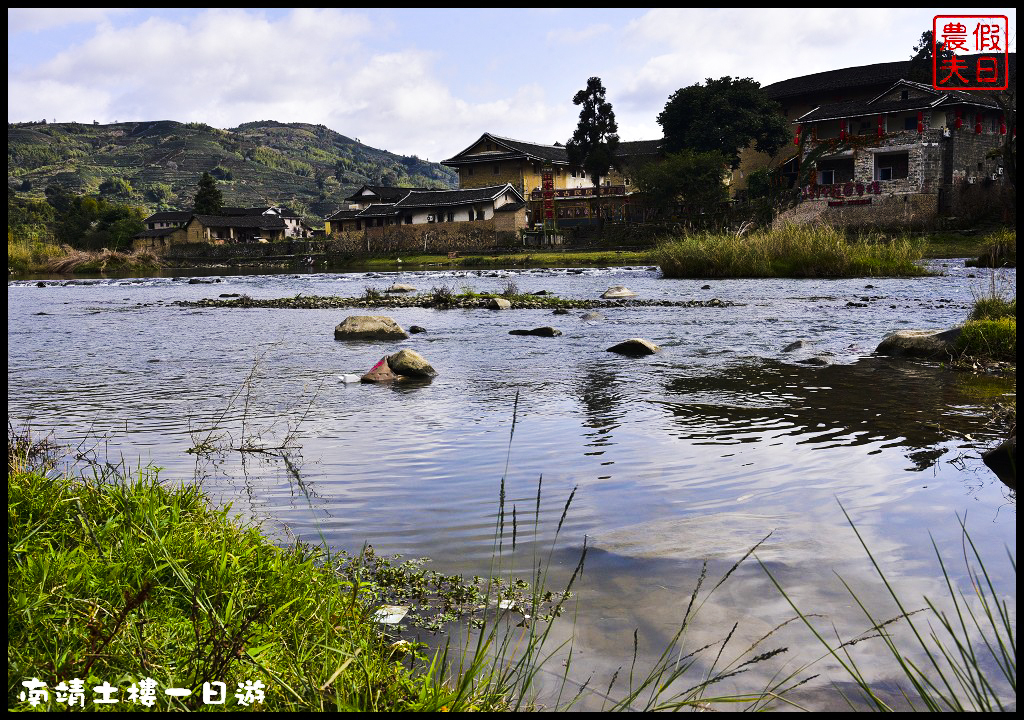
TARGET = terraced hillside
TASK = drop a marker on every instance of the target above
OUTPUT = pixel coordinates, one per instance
(157, 164)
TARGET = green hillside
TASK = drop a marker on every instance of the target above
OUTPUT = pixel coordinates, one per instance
(157, 164)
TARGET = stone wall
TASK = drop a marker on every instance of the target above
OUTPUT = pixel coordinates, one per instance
(431, 238)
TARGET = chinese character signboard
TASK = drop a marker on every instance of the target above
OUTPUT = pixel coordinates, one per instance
(976, 53)
(547, 188)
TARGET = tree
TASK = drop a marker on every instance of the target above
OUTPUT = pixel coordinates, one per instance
(593, 145)
(921, 68)
(725, 115)
(208, 199)
(693, 180)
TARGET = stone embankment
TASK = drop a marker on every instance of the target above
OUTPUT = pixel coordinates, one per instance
(303, 302)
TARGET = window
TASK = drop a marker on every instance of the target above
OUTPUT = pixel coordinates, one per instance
(892, 166)
(828, 177)
(408, 219)
(910, 122)
(905, 95)
(451, 217)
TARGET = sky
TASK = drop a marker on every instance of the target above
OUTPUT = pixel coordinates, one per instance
(422, 82)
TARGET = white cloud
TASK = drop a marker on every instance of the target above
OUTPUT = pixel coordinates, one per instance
(36, 19)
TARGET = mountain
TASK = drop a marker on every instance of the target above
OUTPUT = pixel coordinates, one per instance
(157, 164)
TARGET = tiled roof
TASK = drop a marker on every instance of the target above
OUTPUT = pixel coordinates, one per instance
(344, 215)
(555, 154)
(434, 198)
(862, 76)
(861, 108)
(383, 193)
(843, 79)
(169, 216)
(262, 222)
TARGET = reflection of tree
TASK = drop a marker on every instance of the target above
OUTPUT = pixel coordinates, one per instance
(909, 405)
(598, 391)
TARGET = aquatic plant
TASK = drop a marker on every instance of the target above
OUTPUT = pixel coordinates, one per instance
(789, 251)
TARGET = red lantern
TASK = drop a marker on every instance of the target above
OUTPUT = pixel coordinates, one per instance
(796, 140)
(959, 120)
(881, 126)
(842, 130)
(1002, 124)
(920, 122)
(977, 124)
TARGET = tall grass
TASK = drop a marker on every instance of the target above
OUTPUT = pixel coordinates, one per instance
(963, 659)
(990, 333)
(32, 255)
(791, 251)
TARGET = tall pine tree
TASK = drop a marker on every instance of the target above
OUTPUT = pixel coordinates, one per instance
(208, 200)
(593, 145)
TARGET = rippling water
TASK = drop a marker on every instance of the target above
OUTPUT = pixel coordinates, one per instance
(694, 453)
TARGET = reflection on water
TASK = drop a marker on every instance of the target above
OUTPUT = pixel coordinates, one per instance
(697, 452)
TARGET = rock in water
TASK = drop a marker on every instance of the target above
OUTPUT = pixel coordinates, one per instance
(795, 346)
(409, 363)
(369, 327)
(539, 332)
(499, 304)
(618, 291)
(381, 372)
(400, 288)
(928, 344)
(635, 347)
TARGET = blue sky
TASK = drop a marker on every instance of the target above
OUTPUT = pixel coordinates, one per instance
(423, 82)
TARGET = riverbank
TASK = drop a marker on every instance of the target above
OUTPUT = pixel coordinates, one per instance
(41, 258)
(122, 578)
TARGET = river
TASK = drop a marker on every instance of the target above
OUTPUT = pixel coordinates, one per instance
(694, 453)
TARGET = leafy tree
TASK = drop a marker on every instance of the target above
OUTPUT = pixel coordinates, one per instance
(116, 186)
(687, 180)
(208, 200)
(593, 145)
(723, 115)
(921, 69)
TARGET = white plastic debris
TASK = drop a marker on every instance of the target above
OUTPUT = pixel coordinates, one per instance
(390, 614)
(348, 378)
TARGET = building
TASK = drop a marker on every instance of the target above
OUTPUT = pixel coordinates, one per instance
(875, 138)
(493, 158)
(403, 206)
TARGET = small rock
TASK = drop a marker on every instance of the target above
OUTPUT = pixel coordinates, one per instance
(381, 372)
(795, 346)
(592, 316)
(705, 287)
(618, 291)
(414, 329)
(40, 284)
(542, 292)
(559, 311)
(400, 288)
(539, 332)
(499, 304)
(813, 361)
(409, 363)
(635, 347)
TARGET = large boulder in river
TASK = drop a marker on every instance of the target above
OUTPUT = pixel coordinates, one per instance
(635, 347)
(369, 327)
(499, 304)
(618, 291)
(927, 344)
(409, 363)
(401, 288)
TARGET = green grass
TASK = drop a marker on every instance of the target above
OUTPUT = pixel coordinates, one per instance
(990, 333)
(32, 256)
(791, 251)
(120, 578)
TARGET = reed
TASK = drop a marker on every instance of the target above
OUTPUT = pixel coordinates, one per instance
(960, 659)
(790, 251)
